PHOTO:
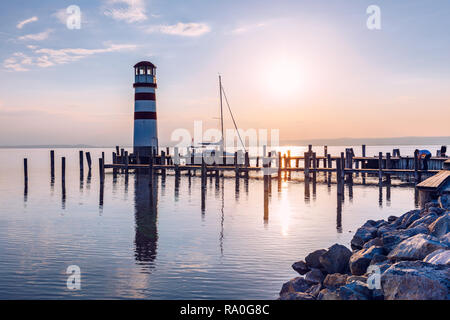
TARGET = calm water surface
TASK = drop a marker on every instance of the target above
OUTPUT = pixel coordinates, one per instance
(159, 243)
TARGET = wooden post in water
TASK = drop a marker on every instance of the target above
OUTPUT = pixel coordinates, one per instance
(163, 162)
(247, 164)
(416, 163)
(314, 167)
(89, 160)
(101, 170)
(388, 166)
(280, 164)
(25, 171)
(52, 164)
(380, 168)
(126, 163)
(63, 170)
(325, 156)
(339, 176)
(81, 156)
(306, 165)
(176, 161)
(117, 150)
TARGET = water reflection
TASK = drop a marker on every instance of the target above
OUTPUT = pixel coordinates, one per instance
(146, 216)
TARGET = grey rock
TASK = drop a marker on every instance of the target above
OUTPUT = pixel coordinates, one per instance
(374, 242)
(440, 256)
(360, 260)
(315, 276)
(393, 238)
(425, 221)
(392, 218)
(415, 280)
(335, 280)
(445, 240)
(312, 259)
(378, 258)
(301, 267)
(297, 296)
(362, 235)
(351, 279)
(415, 248)
(314, 290)
(401, 222)
(327, 294)
(298, 284)
(441, 226)
(409, 219)
(356, 290)
(335, 260)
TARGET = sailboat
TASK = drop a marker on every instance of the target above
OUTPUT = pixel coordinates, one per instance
(205, 147)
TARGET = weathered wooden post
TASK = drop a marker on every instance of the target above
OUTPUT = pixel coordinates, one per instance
(63, 169)
(176, 161)
(314, 166)
(339, 176)
(306, 165)
(81, 156)
(25, 171)
(89, 160)
(342, 166)
(380, 168)
(52, 164)
(280, 164)
(416, 163)
(247, 164)
(163, 162)
(388, 166)
(126, 163)
(236, 166)
(325, 156)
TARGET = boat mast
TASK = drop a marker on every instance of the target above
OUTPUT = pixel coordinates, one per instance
(221, 110)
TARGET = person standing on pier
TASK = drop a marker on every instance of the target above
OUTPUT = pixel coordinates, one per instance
(424, 155)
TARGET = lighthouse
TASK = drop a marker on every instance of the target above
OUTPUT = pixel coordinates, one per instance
(145, 130)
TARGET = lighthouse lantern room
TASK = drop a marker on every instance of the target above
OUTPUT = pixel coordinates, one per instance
(145, 129)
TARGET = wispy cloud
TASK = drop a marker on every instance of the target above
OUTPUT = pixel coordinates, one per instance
(192, 29)
(126, 10)
(21, 24)
(247, 28)
(45, 57)
(36, 36)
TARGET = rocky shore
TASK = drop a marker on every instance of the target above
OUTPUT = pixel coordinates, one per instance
(403, 258)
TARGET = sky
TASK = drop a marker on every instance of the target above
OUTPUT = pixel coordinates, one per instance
(312, 69)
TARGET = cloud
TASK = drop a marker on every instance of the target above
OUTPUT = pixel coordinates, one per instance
(37, 36)
(247, 28)
(21, 24)
(127, 10)
(192, 29)
(45, 57)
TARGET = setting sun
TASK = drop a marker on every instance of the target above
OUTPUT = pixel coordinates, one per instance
(285, 78)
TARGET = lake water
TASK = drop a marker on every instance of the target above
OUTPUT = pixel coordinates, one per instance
(158, 242)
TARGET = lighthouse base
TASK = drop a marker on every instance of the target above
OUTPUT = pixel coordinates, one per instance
(145, 151)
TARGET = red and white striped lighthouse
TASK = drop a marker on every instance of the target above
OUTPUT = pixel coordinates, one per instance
(145, 129)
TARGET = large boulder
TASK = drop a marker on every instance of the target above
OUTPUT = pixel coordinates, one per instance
(415, 280)
(355, 290)
(315, 276)
(441, 226)
(314, 290)
(415, 248)
(312, 259)
(300, 267)
(367, 232)
(297, 296)
(327, 294)
(360, 260)
(335, 280)
(298, 284)
(425, 220)
(392, 238)
(440, 256)
(445, 240)
(374, 242)
(335, 260)
(404, 219)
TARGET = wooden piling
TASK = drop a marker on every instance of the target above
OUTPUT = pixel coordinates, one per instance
(25, 171)
(89, 160)
(63, 169)
(380, 168)
(101, 169)
(52, 164)
(81, 156)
